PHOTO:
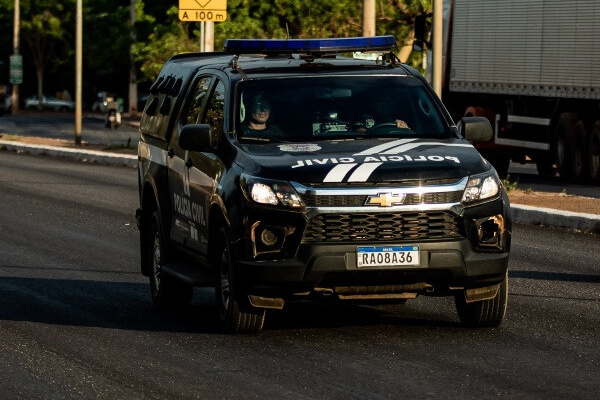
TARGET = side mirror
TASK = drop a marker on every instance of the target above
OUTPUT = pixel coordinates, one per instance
(418, 45)
(476, 129)
(198, 137)
(421, 32)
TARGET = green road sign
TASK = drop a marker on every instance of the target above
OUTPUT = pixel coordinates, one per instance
(16, 69)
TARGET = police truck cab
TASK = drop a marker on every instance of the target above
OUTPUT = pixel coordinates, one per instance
(285, 169)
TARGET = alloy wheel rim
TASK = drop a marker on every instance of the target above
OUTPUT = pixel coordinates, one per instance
(225, 281)
(156, 262)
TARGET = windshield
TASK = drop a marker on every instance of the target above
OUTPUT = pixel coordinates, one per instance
(314, 108)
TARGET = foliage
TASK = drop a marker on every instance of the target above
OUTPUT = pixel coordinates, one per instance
(510, 184)
(47, 36)
(164, 41)
(106, 41)
(293, 18)
(44, 39)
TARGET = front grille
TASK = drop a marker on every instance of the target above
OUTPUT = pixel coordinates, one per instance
(359, 200)
(334, 201)
(381, 227)
(401, 183)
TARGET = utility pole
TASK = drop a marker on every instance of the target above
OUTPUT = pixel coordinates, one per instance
(437, 46)
(16, 30)
(132, 70)
(202, 26)
(368, 18)
(209, 36)
(78, 69)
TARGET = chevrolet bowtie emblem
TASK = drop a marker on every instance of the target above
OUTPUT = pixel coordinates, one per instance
(386, 200)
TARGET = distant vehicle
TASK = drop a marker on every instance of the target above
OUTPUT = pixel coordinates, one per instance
(3, 99)
(102, 100)
(532, 69)
(49, 103)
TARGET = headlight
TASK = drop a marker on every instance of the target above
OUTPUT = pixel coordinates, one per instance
(481, 187)
(275, 193)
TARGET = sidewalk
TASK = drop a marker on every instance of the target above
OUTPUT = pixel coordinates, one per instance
(520, 213)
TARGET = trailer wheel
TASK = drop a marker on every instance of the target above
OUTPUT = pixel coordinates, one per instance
(594, 154)
(578, 150)
(545, 165)
(501, 163)
(562, 135)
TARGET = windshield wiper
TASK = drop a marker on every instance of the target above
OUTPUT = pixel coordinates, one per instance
(261, 139)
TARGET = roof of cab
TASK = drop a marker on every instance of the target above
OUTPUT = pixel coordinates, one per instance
(189, 63)
(251, 55)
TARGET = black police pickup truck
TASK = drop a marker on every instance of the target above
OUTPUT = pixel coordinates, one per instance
(280, 169)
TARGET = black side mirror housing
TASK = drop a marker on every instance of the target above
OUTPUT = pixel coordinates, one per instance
(421, 33)
(476, 129)
(198, 137)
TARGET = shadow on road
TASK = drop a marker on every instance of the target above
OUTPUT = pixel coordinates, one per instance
(555, 276)
(123, 305)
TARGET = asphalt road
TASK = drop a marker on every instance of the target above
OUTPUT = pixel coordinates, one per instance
(61, 125)
(76, 320)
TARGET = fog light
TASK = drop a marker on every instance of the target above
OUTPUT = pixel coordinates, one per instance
(268, 237)
(489, 230)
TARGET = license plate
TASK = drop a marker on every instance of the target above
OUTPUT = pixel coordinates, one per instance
(387, 256)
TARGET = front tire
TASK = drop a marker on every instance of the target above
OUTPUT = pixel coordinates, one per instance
(236, 313)
(166, 292)
(485, 313)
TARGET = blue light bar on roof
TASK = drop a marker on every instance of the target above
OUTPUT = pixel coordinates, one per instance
(314, 46)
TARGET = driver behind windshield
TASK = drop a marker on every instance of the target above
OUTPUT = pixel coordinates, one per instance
(384, 112)
(257, 119)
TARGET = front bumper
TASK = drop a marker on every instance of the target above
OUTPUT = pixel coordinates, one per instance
(444, 266)
(473, 253)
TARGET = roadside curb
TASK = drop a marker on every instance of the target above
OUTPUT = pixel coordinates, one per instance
(520, 213)
(556, 218)
(92, 156)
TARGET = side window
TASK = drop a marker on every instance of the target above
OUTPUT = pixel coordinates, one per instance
(193, 110)
(214, 109)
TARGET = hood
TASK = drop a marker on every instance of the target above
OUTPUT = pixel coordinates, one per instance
(355, 161)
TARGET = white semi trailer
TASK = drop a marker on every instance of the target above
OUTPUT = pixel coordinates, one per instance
(533, 68)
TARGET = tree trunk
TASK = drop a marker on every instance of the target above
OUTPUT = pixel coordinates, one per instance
(40, 79)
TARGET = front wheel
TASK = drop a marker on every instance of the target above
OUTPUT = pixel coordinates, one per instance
(485, 313)
(166, 292)
(236, 313)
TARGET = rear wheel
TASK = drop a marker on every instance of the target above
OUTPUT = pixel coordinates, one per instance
(594, 154)
(561, 135)
(166, 292)
(544, 166)
(236, 313)
(501, 163)
(569, 146)
(578, 150)
(485, 313)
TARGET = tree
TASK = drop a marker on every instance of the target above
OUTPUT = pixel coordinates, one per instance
(43, 31)
(106, 41)
(261, 19)
(166, 40)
